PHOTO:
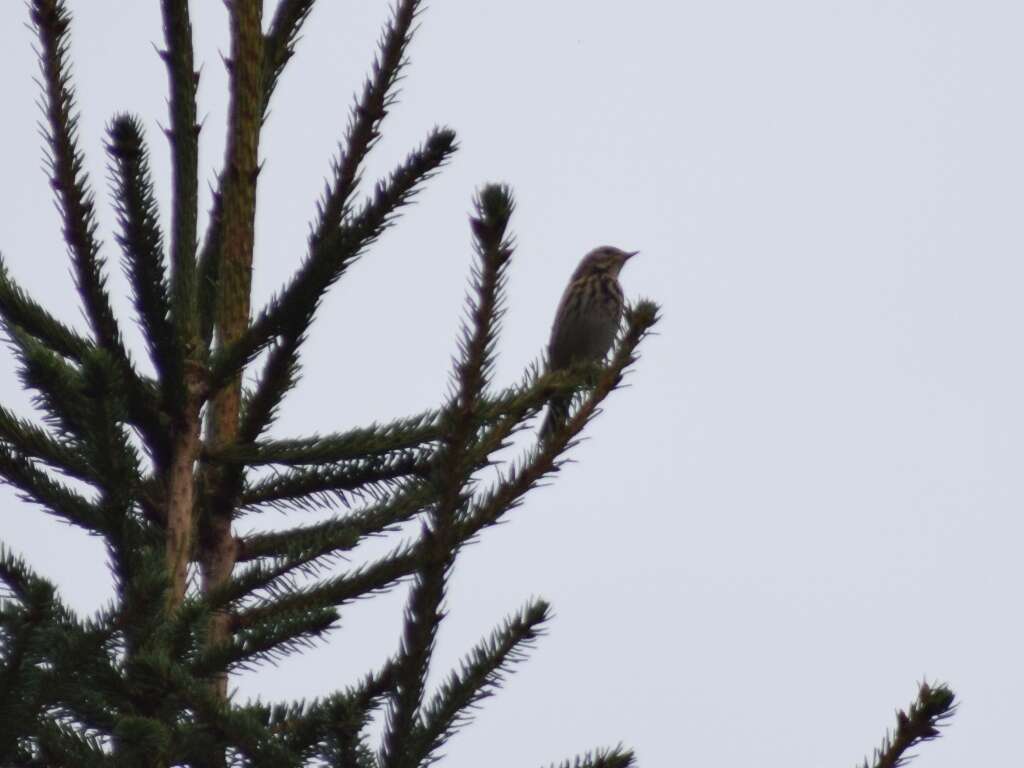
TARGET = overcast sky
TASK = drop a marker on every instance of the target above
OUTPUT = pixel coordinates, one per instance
(809, 498)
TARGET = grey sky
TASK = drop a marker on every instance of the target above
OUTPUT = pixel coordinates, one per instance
(811, 495)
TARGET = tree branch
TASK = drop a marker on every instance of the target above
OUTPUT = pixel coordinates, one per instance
(279, 46)
(141, 240)
(617, 757)
(51, 22)
(292, 310)
(310, 487)
(184, 138)
(453, 471)
(932, 709)
(481, 673)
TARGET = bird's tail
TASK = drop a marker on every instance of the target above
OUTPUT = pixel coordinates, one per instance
(558, 414)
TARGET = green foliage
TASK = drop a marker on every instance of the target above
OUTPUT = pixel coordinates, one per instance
(118, 454)
(141, 240)
(933, 708)
(481, 673)
(131, 685)
(604, 758)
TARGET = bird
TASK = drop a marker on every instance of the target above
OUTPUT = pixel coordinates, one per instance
(586, 321)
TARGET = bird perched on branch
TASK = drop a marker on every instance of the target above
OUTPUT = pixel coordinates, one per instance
(586, 322)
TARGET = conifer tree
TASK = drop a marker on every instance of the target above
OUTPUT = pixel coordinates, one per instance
(161, 466)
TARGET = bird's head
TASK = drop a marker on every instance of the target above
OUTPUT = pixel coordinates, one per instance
(605, 259)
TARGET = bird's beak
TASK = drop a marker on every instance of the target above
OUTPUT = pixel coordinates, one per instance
(630, 255)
